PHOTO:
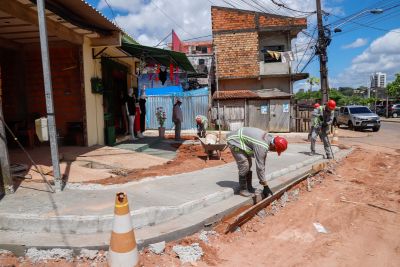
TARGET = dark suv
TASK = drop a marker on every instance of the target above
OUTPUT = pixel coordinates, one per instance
(394, 110)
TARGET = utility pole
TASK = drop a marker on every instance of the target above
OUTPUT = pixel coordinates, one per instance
(44, 46)
(322, 44)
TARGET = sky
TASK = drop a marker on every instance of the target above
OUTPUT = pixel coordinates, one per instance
(367, 43)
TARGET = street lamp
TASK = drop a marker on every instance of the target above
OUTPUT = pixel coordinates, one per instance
(372, 11)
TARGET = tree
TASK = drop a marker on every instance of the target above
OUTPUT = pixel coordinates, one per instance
(313, 81)
(393, 88)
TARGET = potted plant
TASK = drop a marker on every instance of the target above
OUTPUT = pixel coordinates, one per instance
(161, 117)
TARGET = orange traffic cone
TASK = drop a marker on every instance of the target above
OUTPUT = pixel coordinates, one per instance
(123, 249)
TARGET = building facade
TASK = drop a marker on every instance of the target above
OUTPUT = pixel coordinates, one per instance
(378, 79)
(251, 51)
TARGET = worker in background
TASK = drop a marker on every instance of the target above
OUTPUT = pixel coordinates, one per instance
(316, 106)
(202, 124)
(246, 143)
(177, 118)
(322, 117)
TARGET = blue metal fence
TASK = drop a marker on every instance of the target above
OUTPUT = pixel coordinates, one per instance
(192, 106)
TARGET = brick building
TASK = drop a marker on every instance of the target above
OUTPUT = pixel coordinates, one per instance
(243, 41)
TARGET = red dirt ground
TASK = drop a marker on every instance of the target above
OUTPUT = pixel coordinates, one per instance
(358, 234)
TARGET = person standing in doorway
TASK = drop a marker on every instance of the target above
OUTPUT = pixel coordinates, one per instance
(177, 118)
(142, 104)
(130, 106)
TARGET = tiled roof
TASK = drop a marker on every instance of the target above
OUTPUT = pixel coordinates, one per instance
(234, 94)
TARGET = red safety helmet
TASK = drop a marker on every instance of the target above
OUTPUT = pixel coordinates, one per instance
(281, 144)
(317, 105)
(331, 104)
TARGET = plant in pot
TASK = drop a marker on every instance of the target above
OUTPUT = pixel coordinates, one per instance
(161, 117)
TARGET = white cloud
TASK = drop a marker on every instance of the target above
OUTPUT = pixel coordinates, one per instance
(357, 43)
(383, 55)
(149, 21)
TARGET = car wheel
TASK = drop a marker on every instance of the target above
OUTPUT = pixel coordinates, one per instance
(375, 129)
(395, 115)
(351, 126)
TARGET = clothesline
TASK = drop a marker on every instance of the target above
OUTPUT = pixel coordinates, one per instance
(284, 56)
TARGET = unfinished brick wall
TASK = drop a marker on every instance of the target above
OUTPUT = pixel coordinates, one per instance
(237, 54)
(224, 19)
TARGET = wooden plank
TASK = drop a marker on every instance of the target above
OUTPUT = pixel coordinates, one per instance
(253, 210)
(26, 14)
(113, 40)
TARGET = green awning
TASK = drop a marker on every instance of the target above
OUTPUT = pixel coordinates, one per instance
(154, 55)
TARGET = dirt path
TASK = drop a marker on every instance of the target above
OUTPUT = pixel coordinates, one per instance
(358, 235)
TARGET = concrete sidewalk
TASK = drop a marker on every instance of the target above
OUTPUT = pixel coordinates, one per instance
(82, 215)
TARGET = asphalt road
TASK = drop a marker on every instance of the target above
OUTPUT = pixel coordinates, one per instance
(387, 137)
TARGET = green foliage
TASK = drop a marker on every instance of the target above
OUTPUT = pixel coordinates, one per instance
(394, 87)
(308, 95)
(313, 81)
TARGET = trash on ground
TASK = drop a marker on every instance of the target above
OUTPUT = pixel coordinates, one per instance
(320, 228)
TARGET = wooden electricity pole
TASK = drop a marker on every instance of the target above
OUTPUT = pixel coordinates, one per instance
(322, 44)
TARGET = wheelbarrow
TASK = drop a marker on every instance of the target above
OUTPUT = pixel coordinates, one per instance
(211, 146)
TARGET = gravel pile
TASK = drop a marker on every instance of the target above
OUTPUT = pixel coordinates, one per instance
(190, 253)
(56, 254)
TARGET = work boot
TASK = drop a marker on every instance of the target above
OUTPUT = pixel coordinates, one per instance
(243, 187)
(249, 179)
(267, 191)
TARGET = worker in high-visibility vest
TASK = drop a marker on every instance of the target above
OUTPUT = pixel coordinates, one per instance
(246, 143)
(322, 118)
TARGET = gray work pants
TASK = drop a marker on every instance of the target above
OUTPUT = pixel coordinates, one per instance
(322, 133)
(178, 126)
(243, 160)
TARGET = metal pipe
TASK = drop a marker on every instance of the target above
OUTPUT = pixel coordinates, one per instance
(44, 47)
(216, 79)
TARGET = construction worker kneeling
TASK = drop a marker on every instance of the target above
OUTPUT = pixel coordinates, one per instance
(246, 143)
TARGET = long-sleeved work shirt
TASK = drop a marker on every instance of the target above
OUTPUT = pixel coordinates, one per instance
(321, 115)
(255, 143)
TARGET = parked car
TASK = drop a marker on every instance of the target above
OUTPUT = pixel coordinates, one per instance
(357, 118)
(394, 110)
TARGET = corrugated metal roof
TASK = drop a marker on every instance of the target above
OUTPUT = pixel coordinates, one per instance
(234, 94)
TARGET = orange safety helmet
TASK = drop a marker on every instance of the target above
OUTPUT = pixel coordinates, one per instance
(331, 104)
(281, 144)
(317, 105)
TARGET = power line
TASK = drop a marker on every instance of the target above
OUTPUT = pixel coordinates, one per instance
(288, 8)
(165, 14)
(163, 39)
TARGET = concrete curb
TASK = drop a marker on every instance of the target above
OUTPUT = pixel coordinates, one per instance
(177, 228)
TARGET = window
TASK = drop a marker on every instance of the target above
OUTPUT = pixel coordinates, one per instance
(360, 110)
(202, 49)
(201, 61)
(269, 58)
(346, 111)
